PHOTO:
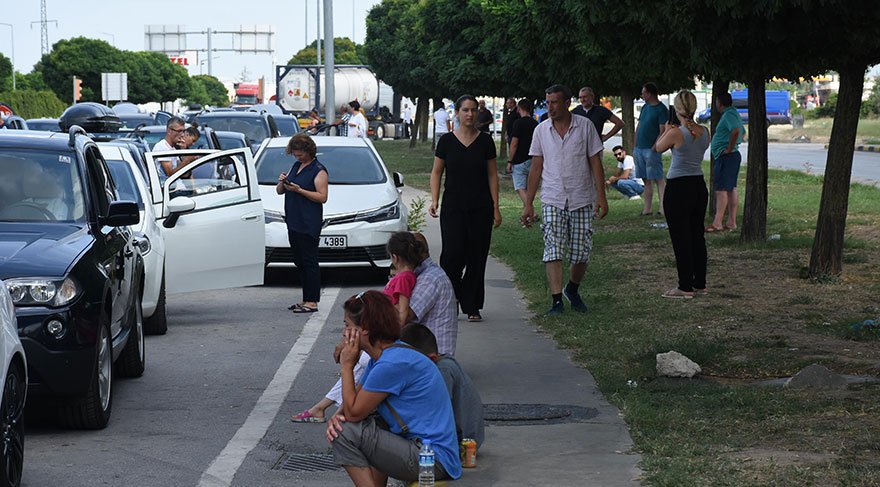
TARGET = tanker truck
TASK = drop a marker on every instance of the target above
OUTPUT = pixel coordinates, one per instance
(300, 88)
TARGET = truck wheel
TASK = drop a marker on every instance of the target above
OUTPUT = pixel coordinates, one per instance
(133, 359)
(92, 410)
(380, 131)
(12, 424)
(158, 323)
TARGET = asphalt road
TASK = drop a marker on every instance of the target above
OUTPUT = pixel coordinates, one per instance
(222, 356)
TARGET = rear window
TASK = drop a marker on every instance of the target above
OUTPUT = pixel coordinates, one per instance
(287, 126)
(345, 165)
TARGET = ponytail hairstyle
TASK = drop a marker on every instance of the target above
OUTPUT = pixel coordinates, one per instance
(373, 311)
(407, 248)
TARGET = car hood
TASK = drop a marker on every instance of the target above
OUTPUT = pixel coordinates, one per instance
(40, 250)
(341, 198)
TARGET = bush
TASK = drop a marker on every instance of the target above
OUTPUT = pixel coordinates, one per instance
(34, 104)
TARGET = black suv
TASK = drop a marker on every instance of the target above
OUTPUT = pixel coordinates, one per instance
(256, 126)
(73, 269)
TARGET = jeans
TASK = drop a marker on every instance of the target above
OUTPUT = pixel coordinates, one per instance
(628, 187)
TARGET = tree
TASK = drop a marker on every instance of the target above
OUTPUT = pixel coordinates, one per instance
(32, 81)
(81, 57)
(33, 104)
(214, 93)
(5, 73)
(345, 51)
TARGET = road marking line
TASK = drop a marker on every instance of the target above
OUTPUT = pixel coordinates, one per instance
(222, 470)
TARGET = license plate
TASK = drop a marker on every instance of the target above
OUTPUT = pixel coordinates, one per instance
(333, 242)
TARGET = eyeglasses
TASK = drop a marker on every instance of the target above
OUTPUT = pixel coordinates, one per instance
(618, 154)
(176, 131)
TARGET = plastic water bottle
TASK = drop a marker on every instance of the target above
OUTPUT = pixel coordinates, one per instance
(426, 465)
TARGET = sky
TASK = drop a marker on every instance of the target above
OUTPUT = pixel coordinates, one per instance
(122, 22)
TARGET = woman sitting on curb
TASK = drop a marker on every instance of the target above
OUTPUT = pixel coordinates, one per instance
(404, 387)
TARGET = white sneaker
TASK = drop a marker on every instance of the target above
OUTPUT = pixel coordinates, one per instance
(636, 197)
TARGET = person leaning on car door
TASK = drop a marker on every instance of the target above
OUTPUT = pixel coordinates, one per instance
(174, 137)
(305, 191)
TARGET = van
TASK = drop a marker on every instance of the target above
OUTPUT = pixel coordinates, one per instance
(778, 107)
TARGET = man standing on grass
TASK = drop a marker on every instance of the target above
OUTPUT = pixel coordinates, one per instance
(649, 165)
(565, 161)
(727, 159)
(597, 113)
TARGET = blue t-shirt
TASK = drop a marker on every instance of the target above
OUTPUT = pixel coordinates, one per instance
(417, 392)
(650, 119)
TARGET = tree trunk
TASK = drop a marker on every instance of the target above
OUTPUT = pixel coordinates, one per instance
(826, 258)
(754, 227)
(438, 102)
(719, 85)
(420, 121)
(627, 98)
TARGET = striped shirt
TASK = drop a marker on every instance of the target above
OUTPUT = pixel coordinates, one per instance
(433, 303)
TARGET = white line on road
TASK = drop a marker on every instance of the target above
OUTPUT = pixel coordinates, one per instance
(223, 468)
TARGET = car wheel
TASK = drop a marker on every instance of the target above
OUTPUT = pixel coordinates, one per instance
(133, 358)
(12, 410)
(158, 323)
(92, 411)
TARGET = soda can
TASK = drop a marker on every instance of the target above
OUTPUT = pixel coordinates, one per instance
(469, 453)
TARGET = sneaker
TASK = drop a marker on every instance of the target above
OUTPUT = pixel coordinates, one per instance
(635, 197)
(574, 298)
(556, 309)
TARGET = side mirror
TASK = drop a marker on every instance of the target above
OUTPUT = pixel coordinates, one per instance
(177, 207)
(121, 214)
(398, 179)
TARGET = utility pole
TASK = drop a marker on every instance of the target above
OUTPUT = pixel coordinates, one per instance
(44, 27)
(329, 64)
(210, 55)
(306, 21)
(318, 40)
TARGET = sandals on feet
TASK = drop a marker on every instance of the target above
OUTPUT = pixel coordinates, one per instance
(301, 308)
(676, 293)
(307, 417)
(474, 317)
(713, 229)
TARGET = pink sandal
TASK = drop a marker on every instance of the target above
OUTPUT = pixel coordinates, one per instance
(307, 417)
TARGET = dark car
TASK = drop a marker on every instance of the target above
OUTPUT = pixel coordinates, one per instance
(73, 269)
(50, 124)
(288, 125)
(256, 126)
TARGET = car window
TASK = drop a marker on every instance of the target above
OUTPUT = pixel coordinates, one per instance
(345, 165)
(254, 128)
(211, 176)
(134, 119)
(126, 185)
(40, 186)
(102, 182)
(231, 142)
(287, 126)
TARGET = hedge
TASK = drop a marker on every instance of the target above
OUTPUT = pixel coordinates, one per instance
(33, 104)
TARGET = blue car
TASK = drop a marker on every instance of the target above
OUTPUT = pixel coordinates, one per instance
(778, 107)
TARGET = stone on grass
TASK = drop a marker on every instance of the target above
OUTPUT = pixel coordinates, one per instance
(816, 377)
(674, 364)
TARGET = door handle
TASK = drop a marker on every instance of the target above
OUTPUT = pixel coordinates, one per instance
(250, 218)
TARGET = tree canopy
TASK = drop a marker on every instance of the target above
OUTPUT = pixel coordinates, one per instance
(345, 51)
(208, 90)
(5, 73)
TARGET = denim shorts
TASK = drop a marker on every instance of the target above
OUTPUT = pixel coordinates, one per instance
(726, 171)
(649, 165)
(521, 174)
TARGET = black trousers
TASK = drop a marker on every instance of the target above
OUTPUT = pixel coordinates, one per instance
(466, 235)
(305, 255)
(684, 203)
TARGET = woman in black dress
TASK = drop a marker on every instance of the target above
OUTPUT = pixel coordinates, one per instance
(470, 205)
(305, 189)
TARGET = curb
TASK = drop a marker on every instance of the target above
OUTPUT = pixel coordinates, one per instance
(865, 148)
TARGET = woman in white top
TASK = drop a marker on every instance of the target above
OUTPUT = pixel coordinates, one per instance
(357, 124)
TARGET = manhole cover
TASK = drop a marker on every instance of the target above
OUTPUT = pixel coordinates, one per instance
(529, 414)
(308, 462)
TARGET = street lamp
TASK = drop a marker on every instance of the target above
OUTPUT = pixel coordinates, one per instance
(112, 37)
(12, 39)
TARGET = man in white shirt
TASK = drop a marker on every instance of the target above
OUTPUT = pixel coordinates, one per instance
(357, 124)
(623, 180)
(407, 120)
(174, 131)
(442, 124)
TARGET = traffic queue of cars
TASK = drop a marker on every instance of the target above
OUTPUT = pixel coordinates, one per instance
(93, 239)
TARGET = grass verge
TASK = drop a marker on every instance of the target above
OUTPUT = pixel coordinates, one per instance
(762, 321)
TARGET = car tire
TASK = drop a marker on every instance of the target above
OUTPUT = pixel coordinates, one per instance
(92, 410)
(158, 323)
(12, 424)
(133, 359)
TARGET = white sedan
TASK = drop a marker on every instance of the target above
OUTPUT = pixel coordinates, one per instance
(363, 206)
(131, 186)
(13, 391)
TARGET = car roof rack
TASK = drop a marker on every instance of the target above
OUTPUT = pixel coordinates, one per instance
(73, 131)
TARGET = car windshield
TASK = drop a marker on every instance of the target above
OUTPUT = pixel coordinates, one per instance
(39, 186)
(126, 186)
(345, 165)
(287, 126)
(254, 128)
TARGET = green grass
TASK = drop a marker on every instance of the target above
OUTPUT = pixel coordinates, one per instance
(761, 321)
(819, 130)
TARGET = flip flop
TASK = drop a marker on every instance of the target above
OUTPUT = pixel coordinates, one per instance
(676, 293)
(293, 306)
(474, 318)
(713, 229)
(729, 229)
(306, 417)
(303, 309)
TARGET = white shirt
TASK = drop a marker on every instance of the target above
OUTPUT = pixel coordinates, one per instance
(361, 129)
(407, 115)
(567, 180)
(441, 121)
(162, 146)
(629, 163)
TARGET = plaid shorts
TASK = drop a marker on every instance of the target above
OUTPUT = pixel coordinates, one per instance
(571, 229)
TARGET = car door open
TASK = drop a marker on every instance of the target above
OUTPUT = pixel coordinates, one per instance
(212, 220)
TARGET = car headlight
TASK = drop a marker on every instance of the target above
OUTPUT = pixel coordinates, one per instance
(42, 292)
(273, 216)
(385, 213)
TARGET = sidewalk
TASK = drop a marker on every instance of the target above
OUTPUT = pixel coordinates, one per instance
(511, 362)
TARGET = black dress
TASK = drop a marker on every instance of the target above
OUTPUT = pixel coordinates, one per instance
(466, 216)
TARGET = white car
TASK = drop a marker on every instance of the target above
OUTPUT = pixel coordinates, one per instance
(131, 186)
(363, 206)
(13, 391)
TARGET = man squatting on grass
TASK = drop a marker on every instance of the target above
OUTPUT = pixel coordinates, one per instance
(566, 162)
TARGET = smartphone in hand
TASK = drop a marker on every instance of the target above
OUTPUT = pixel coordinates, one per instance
(673, 119)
